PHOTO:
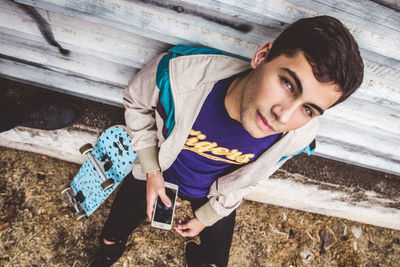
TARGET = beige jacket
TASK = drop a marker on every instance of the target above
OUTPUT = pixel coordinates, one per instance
(192, 78)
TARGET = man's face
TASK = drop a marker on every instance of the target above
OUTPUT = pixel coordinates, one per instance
(282, 95)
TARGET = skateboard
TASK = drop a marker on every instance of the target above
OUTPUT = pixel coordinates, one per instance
(107, 163)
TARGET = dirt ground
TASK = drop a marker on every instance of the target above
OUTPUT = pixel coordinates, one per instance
(39, 228)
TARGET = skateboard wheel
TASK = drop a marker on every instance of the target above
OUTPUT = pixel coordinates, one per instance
(107, 184)
(80, 197)
(86, 148)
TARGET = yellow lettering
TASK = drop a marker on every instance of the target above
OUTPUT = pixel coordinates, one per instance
(233, 154)
(191, 141)
(244, 158)
(220, 151)
(205, 146)
(198, 134)
(201, 137)
(194, 133)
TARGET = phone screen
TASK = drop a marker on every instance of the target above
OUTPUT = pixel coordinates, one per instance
(162, 213)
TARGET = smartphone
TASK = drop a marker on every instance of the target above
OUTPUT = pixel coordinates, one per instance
(162, 215)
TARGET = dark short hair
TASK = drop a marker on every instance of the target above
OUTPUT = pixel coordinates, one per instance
(329, 48)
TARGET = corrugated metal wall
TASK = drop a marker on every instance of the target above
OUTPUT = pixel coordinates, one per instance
(110, 40)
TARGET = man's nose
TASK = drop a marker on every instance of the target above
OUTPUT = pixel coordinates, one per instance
(285, 111)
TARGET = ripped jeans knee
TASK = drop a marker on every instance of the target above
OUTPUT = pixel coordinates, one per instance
(111, 249)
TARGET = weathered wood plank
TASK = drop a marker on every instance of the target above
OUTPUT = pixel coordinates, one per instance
(75, 64)
(156, 23)
(359, 145)
(375, 27)
(363, 114)
(61, 82)
(82, 36)
(393, 4)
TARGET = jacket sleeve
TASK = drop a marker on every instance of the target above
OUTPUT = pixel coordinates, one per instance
(208, 215)
(140, 99)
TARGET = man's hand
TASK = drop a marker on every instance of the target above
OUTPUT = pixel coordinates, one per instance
(155, 187)
(189, 227)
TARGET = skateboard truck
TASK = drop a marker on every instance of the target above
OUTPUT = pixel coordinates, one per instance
(71, 198)
(74, 200)
(107, 182)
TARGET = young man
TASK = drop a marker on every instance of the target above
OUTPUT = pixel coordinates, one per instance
(218, 127)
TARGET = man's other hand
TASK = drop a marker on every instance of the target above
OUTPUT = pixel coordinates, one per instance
(189, 227)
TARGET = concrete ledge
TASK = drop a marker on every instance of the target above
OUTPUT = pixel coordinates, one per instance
(62, 144)
(301, 193)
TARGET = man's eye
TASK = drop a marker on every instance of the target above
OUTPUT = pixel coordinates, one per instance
(287, 84)
(308, 111)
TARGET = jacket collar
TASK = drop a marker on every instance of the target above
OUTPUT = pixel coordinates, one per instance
(196, 70)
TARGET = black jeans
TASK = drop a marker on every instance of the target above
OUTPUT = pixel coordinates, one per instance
(129, 211)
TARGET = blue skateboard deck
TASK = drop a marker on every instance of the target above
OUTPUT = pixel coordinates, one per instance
(114, 157)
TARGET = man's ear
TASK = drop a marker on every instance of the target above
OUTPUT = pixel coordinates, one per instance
(260, 55)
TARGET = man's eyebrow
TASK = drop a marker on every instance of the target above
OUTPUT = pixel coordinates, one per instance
(320, 110)
(300, 88)
(295, 78)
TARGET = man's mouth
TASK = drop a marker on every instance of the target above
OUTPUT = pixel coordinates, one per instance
(263, 123)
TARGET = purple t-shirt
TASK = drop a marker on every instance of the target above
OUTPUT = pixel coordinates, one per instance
(217, 144)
